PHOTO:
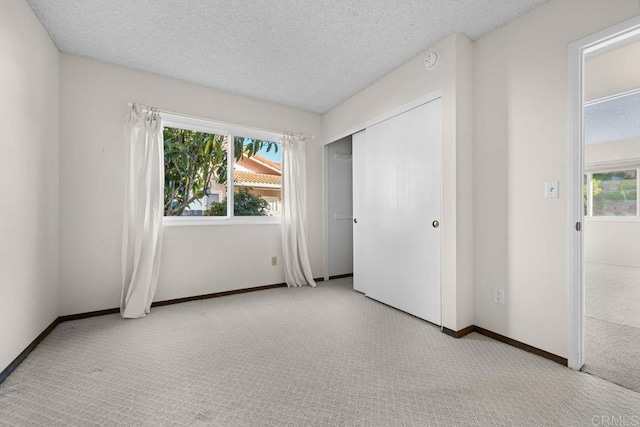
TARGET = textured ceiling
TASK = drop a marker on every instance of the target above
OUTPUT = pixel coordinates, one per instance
(306, 54)
(614, 120)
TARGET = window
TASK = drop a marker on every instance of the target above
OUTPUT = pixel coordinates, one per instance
(194, 168)
(214, 196)
(611, 193)
(209, 179)
(257, 176)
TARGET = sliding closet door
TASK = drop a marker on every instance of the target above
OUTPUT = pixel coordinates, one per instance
(363, 235)
(397, 204)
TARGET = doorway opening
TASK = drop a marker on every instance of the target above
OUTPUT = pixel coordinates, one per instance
(612, 215)
(602, 201)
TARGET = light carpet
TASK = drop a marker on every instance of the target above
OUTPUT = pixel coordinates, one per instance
(612, 323)
(302, 356)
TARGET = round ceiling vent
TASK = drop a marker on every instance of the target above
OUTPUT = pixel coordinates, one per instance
(431, 60)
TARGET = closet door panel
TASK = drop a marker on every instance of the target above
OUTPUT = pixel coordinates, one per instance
(397, 191)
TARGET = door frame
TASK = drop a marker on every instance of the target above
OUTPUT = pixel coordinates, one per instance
(431, 96)
(608, 39)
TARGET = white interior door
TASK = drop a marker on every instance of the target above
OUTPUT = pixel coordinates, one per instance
(397, 180)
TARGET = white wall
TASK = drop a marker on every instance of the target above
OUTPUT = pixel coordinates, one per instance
(340, 202)
(615, 151)
(613, 72)
(521, 142)
(410, 81)
(606, 240)
(196, 260)
(464, 183)
(612, 242)
(29, 176)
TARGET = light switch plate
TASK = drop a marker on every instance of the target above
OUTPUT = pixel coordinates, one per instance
(551, 190)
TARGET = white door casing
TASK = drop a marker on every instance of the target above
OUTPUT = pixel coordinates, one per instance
(617, 35)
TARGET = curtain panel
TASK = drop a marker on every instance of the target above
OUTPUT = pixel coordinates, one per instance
(142, 229)
(297, 269)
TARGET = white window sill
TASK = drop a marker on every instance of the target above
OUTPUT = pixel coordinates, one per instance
(190, 221)
(612, 219)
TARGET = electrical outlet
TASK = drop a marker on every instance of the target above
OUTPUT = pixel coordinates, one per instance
(498, 295)
(274, 261)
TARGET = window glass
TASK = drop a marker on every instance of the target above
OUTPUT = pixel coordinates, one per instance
(615, 193)
(257, 180)
(195, 173)
(585, 194)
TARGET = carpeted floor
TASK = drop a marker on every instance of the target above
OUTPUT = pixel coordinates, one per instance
(612, 323)
(324, 356)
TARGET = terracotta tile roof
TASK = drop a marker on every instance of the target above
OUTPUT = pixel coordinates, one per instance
(266, 161)
(244, 177)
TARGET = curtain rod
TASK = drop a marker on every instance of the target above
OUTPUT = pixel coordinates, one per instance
(300, 135)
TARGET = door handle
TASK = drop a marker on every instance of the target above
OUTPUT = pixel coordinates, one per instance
(355, 220)
(435, 223)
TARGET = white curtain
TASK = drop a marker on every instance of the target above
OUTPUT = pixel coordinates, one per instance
(297, 269)
(142, 230)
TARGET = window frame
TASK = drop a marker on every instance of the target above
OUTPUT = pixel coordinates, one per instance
(230, 131)
(618, 166)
